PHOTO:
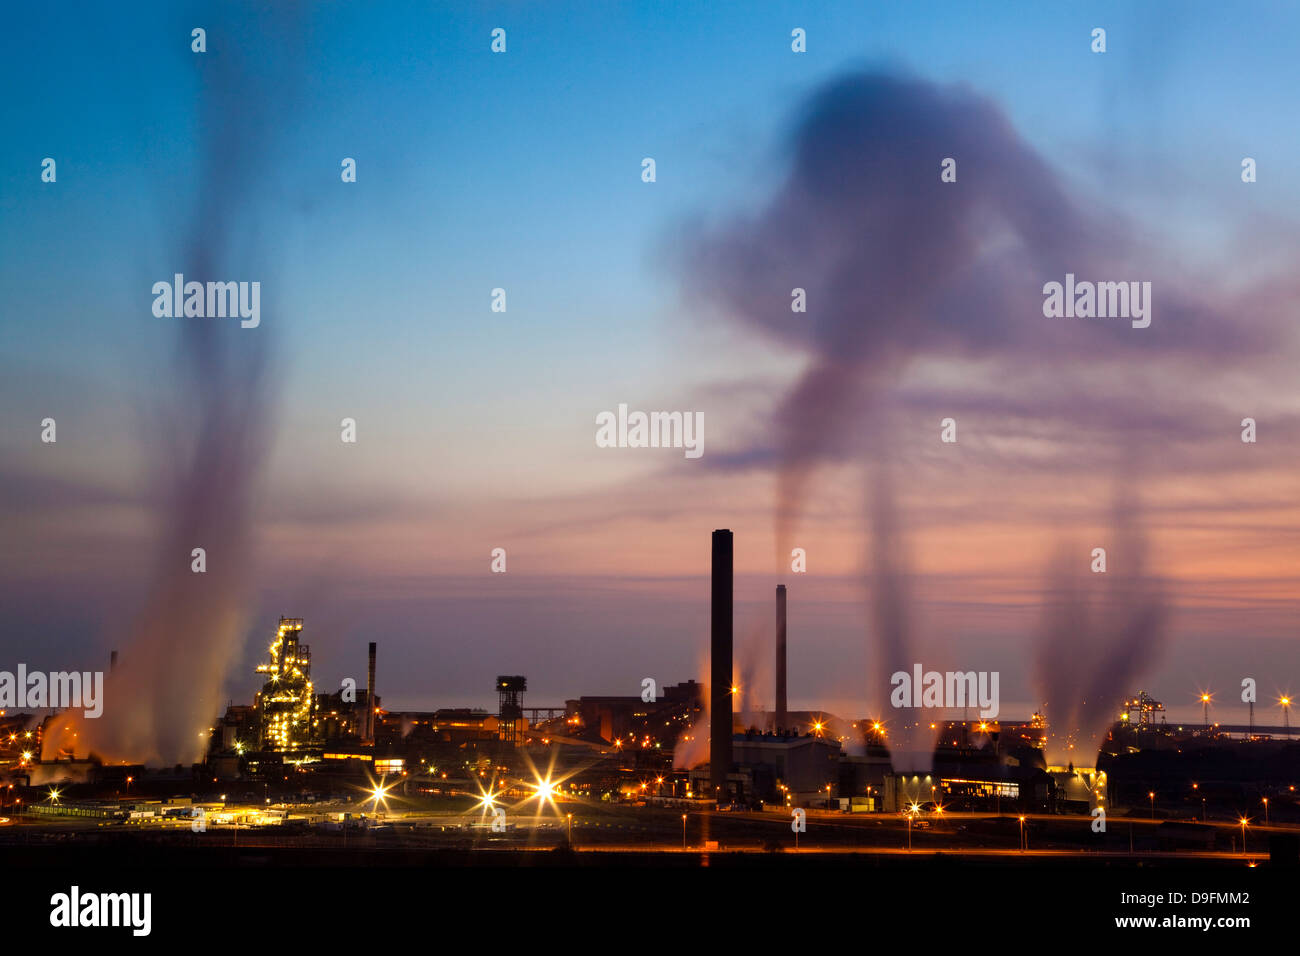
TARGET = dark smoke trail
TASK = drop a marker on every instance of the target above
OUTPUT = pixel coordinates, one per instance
(897, 264)
(1101, 633)
(894, 261)
(909, 748)
(161, 700)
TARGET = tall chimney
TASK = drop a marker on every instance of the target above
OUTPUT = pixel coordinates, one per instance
(112, 661)
(720, 664)
(782, 716)
(370, 697)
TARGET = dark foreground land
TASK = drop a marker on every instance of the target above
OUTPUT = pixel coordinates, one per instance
(964, 874)
(585, 895)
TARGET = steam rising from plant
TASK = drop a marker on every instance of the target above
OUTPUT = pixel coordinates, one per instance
(1100, 633)
(891, 637)
(214, 420)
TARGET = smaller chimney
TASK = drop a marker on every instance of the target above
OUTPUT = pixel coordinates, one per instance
(782, 715)
(112, 661)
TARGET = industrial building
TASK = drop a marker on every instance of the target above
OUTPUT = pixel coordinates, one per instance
(619, 718)
(789, 768)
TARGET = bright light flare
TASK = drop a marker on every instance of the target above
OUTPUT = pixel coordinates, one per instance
(487, 799)
(545, 791)
(378, 792)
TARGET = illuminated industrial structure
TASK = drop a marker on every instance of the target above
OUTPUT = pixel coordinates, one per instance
(286, 705)
(510, 697)
(1146, 708)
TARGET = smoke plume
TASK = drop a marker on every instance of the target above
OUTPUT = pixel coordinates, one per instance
(160, 701)
(897, 264)
(1101, 632)
(910, 749)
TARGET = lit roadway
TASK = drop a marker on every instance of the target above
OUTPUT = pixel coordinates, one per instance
(894, 827)
(659, 830)
(919, 852)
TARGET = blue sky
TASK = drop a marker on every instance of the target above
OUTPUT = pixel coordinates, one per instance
(477, 169)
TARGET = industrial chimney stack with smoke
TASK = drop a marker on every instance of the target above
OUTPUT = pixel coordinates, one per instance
(720, 664)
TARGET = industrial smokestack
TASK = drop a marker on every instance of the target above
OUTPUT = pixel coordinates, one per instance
(370, 697)
(112, 661)
(782, 717)
(720, 664)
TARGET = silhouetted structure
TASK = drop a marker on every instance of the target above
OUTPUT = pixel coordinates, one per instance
(510, 694)
(720, 663)
(781, 714)
(370, 697)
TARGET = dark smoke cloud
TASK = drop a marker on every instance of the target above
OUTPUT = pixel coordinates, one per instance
(898, 264)
(211, 433)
